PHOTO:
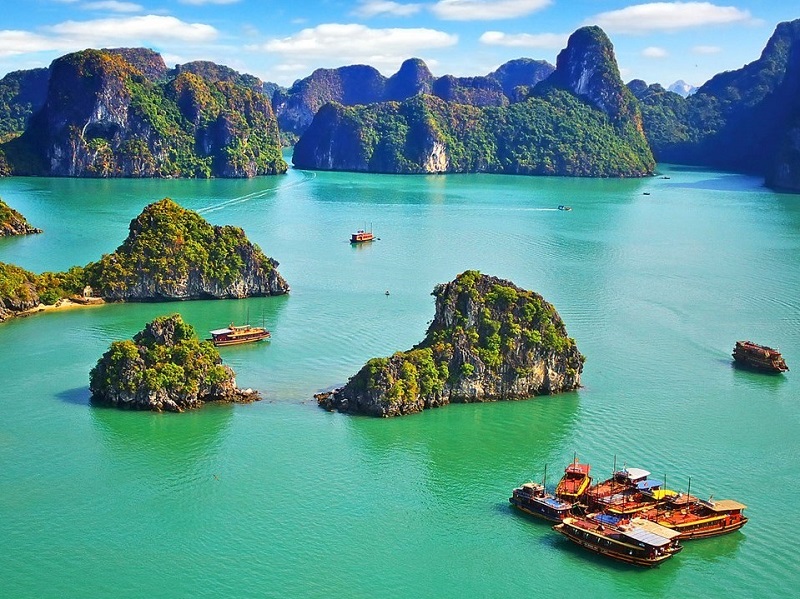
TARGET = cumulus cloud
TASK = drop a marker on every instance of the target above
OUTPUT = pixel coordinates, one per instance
(348, 43)
(525, 40)
(667, 16)
(486, 10)
(13, 42)
(706, 50)
(374, 8)
(137, 30)
(112, 6)
(654, 52)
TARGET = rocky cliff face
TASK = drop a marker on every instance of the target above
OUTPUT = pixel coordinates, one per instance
(104, 117)
(22, 93)
(489, 340)
(13, 223)
(413, 78)
(588, 68)
(173, 254)
(164, 368)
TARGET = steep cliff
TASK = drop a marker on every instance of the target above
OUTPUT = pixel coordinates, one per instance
(103, 117)
(173, 254)
(744, 120)
(489, 340)
(165, 367)
(413, 78)
(22, 93)
(13, 223)
(520, 73)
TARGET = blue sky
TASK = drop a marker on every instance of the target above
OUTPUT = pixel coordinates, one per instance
(282, 40)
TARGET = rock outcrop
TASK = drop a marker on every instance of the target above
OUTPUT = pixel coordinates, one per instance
(173, 254)
(22, 93)
(521, 73)
(13, 223)
(17, 290)
(489, 340)
(164, 368)
(104, 117)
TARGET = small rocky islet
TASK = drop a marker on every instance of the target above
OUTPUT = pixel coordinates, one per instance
(13, 223)
(489, 340)
(171, 253)
(164, 368)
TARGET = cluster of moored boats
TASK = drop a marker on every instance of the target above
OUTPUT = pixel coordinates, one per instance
(629, 517)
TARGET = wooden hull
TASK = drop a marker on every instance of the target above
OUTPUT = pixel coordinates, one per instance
(572, 489)
(616, 551)
(703, 530)
(239, 340)
(539, 511)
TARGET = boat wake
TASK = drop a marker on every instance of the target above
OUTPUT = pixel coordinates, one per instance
(257, 195)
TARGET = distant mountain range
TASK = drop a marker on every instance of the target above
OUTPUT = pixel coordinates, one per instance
(122, 112)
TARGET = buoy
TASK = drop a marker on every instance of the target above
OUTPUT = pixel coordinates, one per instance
(387, 292)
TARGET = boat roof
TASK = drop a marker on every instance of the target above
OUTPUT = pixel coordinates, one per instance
(634, 474)
(724, 505)
(643, 535)
(577, 468)
(646, 485)
(655, 528)
(607, 519)
(220, 331)
(662, 493)
(555, 503)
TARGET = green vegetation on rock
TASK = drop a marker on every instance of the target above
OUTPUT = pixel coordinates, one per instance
(164, 367)
(489, 340)
(13, 223)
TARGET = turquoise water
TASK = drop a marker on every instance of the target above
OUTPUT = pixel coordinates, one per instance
(282, 499)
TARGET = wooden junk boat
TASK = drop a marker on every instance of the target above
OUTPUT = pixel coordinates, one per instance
(533, 498)
(236, 335)
(693, 518)
(628, 492)
(635, 541)
(574, 483)
(361, 236)
(759, 357)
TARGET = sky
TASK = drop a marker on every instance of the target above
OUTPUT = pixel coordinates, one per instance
(284, 40)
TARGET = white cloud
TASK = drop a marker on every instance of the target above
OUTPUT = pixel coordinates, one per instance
(667, 16)
(113, 6)
(22, 42)
(374, 8)
(486, 10)
(136, 30)
(202, 2)
(525, 40)
(706, 50)
(351, 43)
(654, 52)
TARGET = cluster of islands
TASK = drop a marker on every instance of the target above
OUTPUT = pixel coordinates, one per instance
(123, 113)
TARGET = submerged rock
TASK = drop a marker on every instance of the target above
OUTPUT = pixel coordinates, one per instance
(164, 368)
(489, 340)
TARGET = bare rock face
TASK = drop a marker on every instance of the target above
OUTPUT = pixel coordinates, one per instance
(489, 340)
(164, 368)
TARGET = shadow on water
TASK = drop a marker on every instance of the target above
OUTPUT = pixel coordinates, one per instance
(714, 549)
(80, 396)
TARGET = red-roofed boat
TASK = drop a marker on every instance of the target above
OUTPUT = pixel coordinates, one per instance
(574, 483)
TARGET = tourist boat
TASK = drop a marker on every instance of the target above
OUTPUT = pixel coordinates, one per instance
(693, 518)
(361, 236)
(639, 542)
(236, 335)
(533, 498)
(566, 208)
(758, 357)
(631, 494)
(627, 480)
(574, 483)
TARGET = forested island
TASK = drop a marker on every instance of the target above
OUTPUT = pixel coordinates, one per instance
(164, 368)
(579, 121)
(121, 113)
(170, 254)
(489, 340)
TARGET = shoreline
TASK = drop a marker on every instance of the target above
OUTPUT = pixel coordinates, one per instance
(62, 304)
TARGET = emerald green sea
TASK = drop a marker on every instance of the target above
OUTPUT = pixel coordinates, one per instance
(282, 499)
